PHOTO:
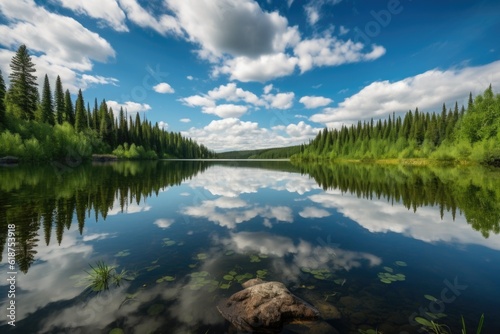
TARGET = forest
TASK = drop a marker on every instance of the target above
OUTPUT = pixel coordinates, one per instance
(51, 127)
(469, 134)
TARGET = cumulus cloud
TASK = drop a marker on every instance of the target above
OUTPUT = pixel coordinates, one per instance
(226, 110)
(185, 120)
(163, 88)
(55, 54)
(311, 102)
(107, 12)
(129, 106)
(280, 100)
(314, 8)
(313, 212)
(330, 51)
(163, 24)
(427, 91)
(164, 223)
(234, 134)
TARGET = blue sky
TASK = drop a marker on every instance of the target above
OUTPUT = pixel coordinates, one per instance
(245, 74)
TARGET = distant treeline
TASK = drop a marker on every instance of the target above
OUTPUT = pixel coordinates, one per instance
(466, 134)
(267, 153)
(52, 127)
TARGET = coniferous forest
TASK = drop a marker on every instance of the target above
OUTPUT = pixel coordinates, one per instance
(53, 127)
(465, 134)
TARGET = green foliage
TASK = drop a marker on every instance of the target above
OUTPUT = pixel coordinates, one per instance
(23, 93)
(102, 275)
(3, 109)
(54, 129)
(449, 136)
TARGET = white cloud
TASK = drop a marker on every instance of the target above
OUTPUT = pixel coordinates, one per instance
(235, 27)
(314, 9)
(259, 69)
(55, 53)
(108, 12)
(163, 88)
(164, 223)
(427, 91)
(198, 101)
(343, 30)
(27, 21)
(189, 77)
(232, 93)
(268, 88)
(234, 134)
(163, 125)
(129, 106)
(185, 120)
(311, 102)
(313, 212)
(226, 110)
(163, 24)
(280, 100)
(330, 51)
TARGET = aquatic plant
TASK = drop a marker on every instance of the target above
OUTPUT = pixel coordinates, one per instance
(479, 326)
(101, 275)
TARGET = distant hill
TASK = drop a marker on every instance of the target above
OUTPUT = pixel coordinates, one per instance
(266, 153)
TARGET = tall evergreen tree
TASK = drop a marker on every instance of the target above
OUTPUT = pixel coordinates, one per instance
(47, 104)
(2, 101)
(23, 91)
(80, 114)
(59, 101)
(69, 113)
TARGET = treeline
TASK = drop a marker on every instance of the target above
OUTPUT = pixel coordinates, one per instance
(265, 153)
(473, 192)
(52, 127)
(453, 134)
(54, 202)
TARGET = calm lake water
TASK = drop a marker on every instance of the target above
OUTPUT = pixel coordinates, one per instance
(381, 244)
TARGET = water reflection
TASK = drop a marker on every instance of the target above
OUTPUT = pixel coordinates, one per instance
(324, 233)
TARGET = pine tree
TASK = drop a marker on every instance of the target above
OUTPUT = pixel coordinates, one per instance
(2, 101)
(23, 91)
(47, 104)
(59, 101)
(80, 115)
(69, 113)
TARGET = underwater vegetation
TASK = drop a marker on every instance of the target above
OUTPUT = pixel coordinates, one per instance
(102, 275)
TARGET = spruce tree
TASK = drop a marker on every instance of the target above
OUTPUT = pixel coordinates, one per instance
(23, 87)
(47, 104)
(69, 113)
(59, 101)
(2, 101)
(80, 115)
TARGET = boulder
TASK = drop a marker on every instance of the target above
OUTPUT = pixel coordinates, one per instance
(264, 307)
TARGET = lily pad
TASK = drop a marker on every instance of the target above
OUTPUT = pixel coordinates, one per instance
(385, 280)
(232, 272)
(319, 276)
(263, 256)
(229, 253)
(192, 265)
(254, 258)
(400, 263)
(116, 331)
(169, 243)
(261, 273)
(431, 298)
(225, 286)
(201, 256)
(388, 269)
(123, 253)
(165, 279)
(150, 268)
(305, 270)
(155, 309)
(228, 277)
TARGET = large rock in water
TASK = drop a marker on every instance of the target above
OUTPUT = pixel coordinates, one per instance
(264, 306)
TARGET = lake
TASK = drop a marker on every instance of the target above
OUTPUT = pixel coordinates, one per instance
(387, 246)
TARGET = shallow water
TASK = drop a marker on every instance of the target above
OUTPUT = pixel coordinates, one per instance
(378, 243)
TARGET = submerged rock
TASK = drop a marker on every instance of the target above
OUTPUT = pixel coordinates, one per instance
(264, 306)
